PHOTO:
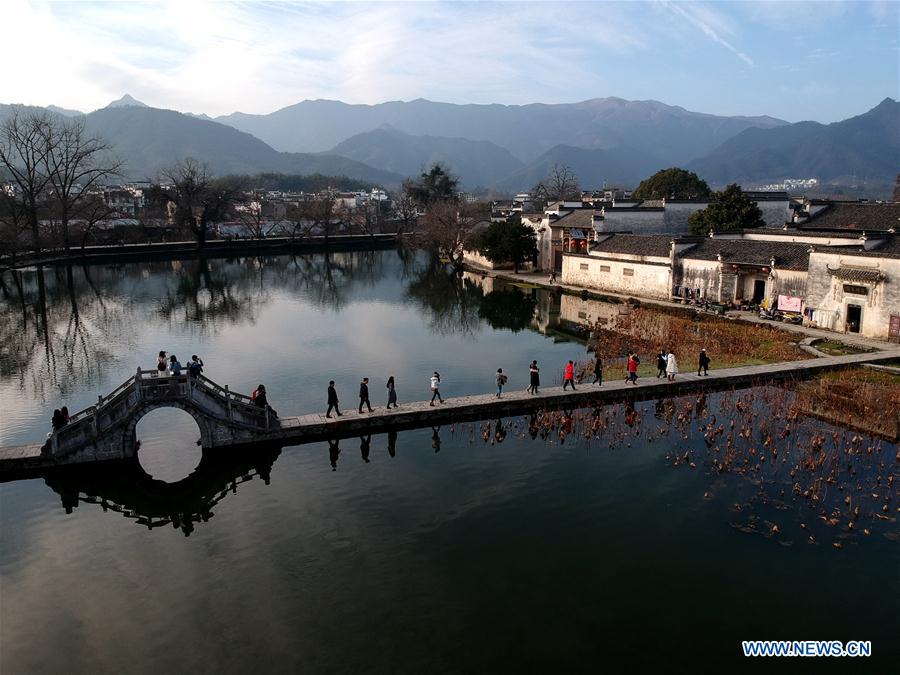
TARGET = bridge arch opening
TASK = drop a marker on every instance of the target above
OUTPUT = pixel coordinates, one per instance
(170, 448)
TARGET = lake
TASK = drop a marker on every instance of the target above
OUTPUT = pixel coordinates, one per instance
(576, 541)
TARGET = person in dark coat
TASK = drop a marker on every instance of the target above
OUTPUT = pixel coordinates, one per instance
(598, 370)
(332, 400)
(364, 395)
(261, 401)
(660, 365)
(58, 420)
(703, 363)
(534, 373)
(195, 367)
(392, 393)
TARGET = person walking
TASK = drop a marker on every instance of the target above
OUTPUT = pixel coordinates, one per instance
(501, 380)
(436, 387)
(598, 369)
(332, 400)
(392, 392)
(364, 395)
(57, 420)
(174, 365)
(161, 365)
(569, 376)
(671, 366)
(260, 400)
(660, 364)
(633, 363)
(195, 367)
(534, 375)
(703, 363)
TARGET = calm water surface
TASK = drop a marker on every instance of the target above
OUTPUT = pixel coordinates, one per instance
(429, 551)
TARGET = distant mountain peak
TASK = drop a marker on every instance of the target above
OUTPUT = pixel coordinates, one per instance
(125, 101)
(68, 112)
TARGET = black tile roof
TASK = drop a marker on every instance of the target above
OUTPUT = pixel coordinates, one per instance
(580, 218)
(855, 274)
(787, 255)
(636, 244)
(871, 217)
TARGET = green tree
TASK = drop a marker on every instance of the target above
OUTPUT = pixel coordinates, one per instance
(434, 185)
(673, 183)
(507, 242)
(729, 209)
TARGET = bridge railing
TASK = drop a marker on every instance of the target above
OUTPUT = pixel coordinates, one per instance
(148, 385)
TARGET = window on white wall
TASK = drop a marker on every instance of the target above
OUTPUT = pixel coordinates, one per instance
(583, 266)
(604, 268)
(627, 272)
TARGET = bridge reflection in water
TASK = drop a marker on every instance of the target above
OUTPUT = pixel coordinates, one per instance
(123, 487)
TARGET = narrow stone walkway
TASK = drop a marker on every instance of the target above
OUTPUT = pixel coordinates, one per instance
(296, 430)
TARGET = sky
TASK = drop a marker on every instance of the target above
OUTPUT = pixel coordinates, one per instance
(822, 61)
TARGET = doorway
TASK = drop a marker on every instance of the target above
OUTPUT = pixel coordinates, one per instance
(854, 318)
(759, 291)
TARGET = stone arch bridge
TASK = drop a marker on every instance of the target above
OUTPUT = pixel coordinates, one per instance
(106, 430)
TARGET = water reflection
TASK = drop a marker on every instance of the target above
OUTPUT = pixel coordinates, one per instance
(780, 473)
(57, 323)
(125, 489)
(65, 328)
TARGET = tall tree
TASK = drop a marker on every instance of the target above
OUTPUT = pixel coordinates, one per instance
(507, 242)
(673, 183)
(76, 162)
(200, 200)
(729, 209)
(561, 184)
(435, 185)
(23, 157)
(446, 230)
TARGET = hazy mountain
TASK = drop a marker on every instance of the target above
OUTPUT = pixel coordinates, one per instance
(66, 112)
(126, 101)
(150, 139)
(670, 133)
(594, 168)
(477, 163)
(865, 147)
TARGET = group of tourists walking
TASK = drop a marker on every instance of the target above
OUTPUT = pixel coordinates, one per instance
(667, 366)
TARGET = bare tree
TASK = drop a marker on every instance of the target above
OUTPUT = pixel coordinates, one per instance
(200, 200)
(446, 230)
(75, 162)
(561, 184)
(23, 157)
(365, 218)
(406, 207)
(91, 212)
(254, 215)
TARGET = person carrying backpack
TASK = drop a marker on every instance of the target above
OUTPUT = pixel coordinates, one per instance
(501, 380)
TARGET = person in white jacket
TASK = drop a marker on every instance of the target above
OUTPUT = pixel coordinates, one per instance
(671, 365)
(436, 387)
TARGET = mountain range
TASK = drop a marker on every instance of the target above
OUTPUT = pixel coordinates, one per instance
(504, 148)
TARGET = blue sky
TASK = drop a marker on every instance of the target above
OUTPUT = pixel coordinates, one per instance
(795, 60)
